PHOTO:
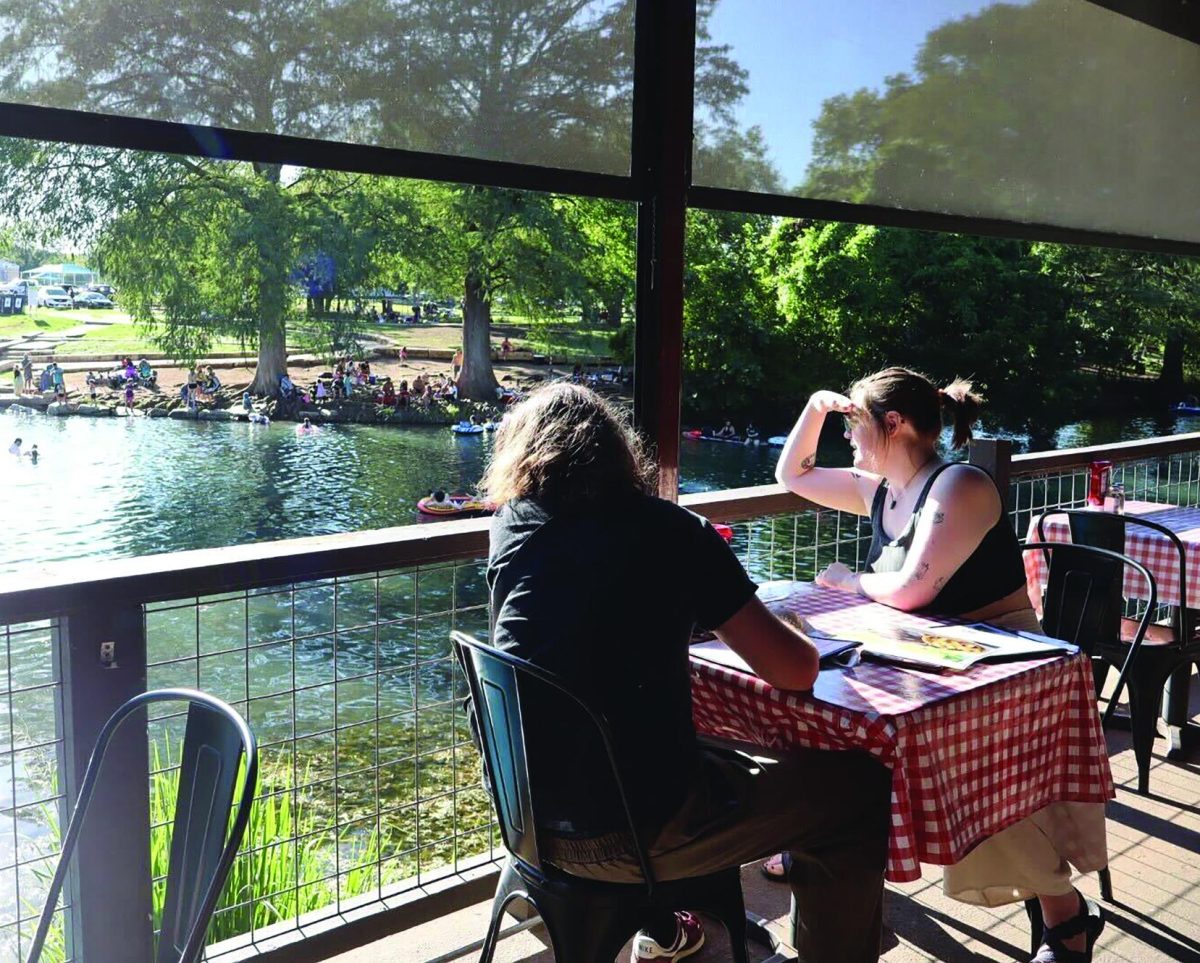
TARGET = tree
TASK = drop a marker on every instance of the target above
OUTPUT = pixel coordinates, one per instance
(542, 82)
(858, 298)
(994, 121)
(518, 245)
(269, 66)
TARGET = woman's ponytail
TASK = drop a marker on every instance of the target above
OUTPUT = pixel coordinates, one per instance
(963, 404)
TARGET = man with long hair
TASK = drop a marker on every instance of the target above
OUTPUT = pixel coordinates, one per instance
(598, 581)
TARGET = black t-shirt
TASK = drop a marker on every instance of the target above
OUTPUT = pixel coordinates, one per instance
(607, 600)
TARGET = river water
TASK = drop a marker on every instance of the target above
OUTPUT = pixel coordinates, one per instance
(116, 487)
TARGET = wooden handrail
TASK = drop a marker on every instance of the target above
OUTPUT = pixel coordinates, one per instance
(1039, 461)
(62, 587)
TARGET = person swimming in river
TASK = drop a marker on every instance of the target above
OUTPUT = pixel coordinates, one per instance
(15, 448)
(306, 427)
(32, 454)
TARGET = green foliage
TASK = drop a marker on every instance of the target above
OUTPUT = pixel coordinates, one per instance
(735, 354)
(858, 298)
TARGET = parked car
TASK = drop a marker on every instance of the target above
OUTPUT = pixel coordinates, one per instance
(106, 289)
(54, 297)
(91, 299)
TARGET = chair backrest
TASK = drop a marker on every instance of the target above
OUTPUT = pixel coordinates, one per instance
(1084, 593)
(203, 844)
(501, 686)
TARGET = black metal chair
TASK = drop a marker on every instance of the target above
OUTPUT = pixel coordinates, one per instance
(1168, 651)
(1082, 605)
(215, 742)
(588, 921)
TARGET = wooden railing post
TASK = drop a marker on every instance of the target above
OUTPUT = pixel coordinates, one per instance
(994, 455)
(110, 888)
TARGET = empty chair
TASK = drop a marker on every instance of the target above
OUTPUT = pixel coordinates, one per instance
(215, 742)
(1167, 651)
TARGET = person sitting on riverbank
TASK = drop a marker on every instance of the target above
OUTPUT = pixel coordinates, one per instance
(146, 373)
(751, 434)
(130, 371)
(402, 396)
(387, 396)
(726, 430)
(287, 388)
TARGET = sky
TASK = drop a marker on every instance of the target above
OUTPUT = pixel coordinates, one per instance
(800, 52)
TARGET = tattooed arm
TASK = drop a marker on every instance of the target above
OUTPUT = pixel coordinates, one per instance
(962, 506)
(845, 489)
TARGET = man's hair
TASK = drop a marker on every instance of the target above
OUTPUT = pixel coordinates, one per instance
(567, 447)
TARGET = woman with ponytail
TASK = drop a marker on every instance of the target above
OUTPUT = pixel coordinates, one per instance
(942, 543)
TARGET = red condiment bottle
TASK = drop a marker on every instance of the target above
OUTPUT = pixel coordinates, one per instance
(1098, 483)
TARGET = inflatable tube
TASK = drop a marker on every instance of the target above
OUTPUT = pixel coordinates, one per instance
(777, 441)
(461, 429)
(1182, 409)
(455, 506)
(700, 436)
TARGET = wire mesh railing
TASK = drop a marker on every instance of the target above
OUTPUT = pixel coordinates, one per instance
(369, 783)
(31, 800)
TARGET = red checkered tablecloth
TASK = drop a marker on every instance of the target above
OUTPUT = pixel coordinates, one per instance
(1150, 548)
(971, 753)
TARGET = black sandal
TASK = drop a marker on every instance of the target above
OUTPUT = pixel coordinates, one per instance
(1089, 921)
(785, 860)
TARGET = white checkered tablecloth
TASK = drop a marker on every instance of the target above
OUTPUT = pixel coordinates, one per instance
(1150, 548)
(971, 753)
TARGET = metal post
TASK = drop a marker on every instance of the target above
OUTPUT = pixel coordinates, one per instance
(110, 886)
(994, 455)
(662, 153)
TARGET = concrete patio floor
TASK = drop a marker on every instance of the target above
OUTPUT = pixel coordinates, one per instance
(1154, 846)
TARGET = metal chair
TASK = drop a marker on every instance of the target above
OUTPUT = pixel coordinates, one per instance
(1169, 650)
(215, 741)
(1082, 605)
(588, 921)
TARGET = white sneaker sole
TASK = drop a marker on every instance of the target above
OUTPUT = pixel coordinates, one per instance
(682, 955)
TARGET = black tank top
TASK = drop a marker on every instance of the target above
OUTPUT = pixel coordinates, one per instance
(991, 572)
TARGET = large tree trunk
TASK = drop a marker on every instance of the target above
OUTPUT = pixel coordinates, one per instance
(615, 308)
(272, 359)
(273, 289)
(1170, 380)
(477, 381)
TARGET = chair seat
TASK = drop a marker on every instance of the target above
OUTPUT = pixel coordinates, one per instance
(1156, 633)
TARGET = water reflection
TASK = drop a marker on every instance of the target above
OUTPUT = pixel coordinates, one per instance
(109, 488)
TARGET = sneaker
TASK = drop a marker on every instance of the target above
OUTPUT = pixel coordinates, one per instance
(689, 937)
